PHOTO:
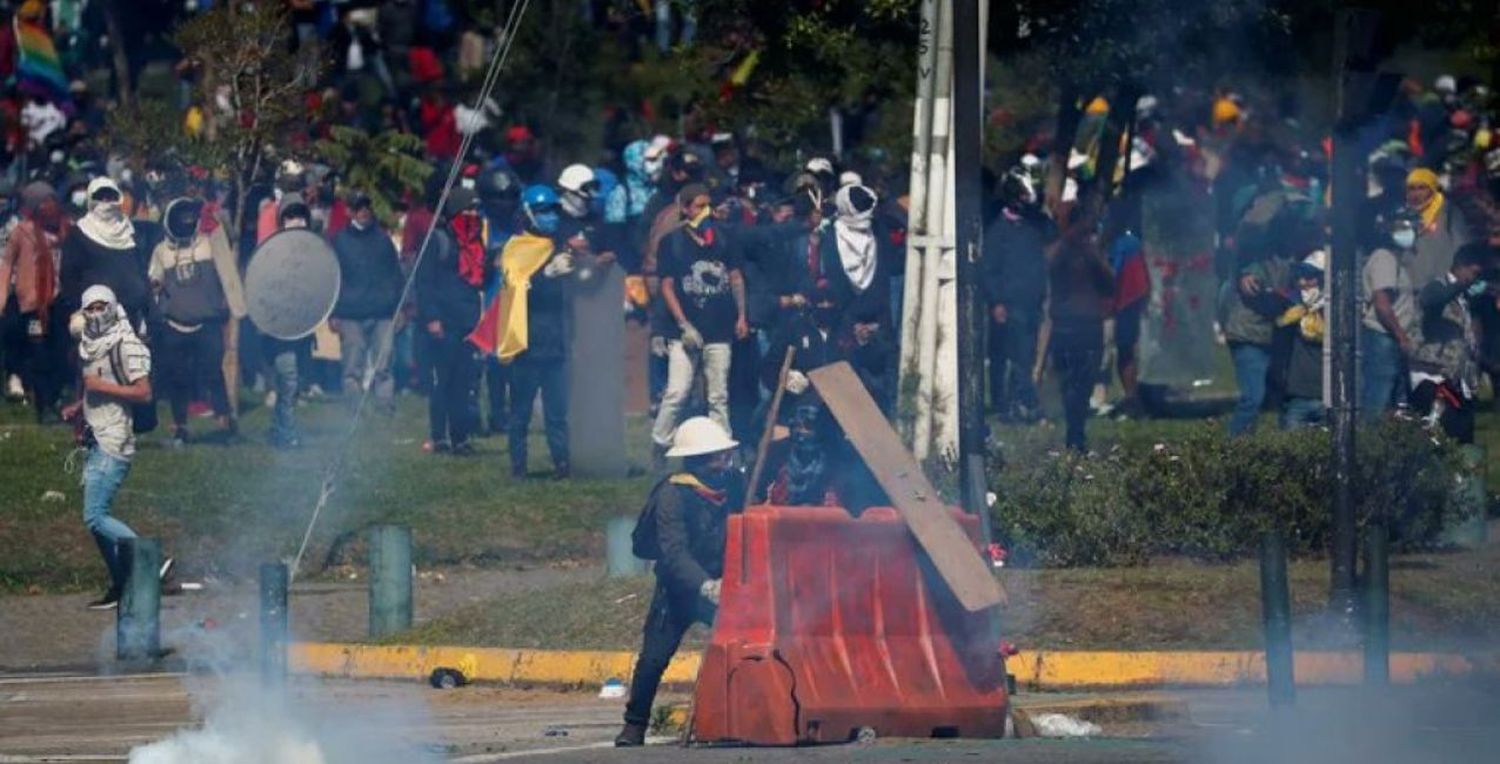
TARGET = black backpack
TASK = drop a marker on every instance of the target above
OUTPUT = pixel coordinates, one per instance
(142, 415)
(644, 543)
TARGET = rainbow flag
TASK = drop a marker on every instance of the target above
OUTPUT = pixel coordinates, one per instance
(39, 71)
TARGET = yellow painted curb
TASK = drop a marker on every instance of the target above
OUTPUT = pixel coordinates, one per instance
(1038, 670)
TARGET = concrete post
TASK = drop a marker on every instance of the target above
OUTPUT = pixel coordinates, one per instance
(390, 579)
(1276, 611)
(138, 623)
(619, 559)
(274, 631)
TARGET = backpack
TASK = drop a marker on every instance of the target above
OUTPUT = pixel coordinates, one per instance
(142, 415)
(644, 543)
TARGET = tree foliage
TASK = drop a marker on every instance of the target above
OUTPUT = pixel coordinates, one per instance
(385, 166)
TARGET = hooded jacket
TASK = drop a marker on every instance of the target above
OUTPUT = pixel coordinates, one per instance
(370, 274)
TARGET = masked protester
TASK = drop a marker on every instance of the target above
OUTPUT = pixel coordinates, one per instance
(1308, 316)
(1445, 364)
(116, 374)
(683, 527)
(292, 213)
(1082, 287)
(369, 292)
(189, 271)
(105, 253)
(529, 331)
(449, 283)
(703, 288)
(1014, 277)
(1390, 312)
(29, 291)
(1442, 228)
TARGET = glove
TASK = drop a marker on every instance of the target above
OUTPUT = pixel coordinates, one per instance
(1477, 288)
(559, 265)
(796, 382)
(691, 339)
(710, 590)
(659, 346)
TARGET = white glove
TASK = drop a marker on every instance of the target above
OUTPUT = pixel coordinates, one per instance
(691, 339)
(659, 346)
(560, 265)
(710, 590)
(796, 382)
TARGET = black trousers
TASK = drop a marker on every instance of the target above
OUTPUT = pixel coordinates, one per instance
(745, 388)
(192, 362)
(497, 391)
(529, 376)
(1457, 421)
(1077, 352)
(666, 622)
(451, 399)
(40, 359)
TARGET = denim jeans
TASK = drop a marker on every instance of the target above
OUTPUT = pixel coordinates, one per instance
(102, 476)
(1380, 373)
(528, 377)
(367, 347)
(1251, 363)
(682, 368)
(283, 418)
(1297, 413)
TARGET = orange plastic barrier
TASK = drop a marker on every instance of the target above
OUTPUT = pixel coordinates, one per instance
(829, 624)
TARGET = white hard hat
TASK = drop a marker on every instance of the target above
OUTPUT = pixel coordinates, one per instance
(1445, 83)
(698, 436)
(819, 165)
(575, 177)
(850, 178)
(1318, 260)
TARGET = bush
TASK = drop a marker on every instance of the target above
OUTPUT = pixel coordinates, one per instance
(1205, 496)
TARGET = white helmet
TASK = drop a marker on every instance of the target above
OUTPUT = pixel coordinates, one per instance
(699, 436)
(578, 178)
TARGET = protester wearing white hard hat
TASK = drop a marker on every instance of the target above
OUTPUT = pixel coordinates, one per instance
(578, 186)
(683, 528)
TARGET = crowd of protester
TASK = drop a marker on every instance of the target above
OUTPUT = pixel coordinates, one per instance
(730, 259)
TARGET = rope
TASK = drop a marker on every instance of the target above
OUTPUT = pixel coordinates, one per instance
(340, 459)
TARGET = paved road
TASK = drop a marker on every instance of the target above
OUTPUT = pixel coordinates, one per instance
(78, 718)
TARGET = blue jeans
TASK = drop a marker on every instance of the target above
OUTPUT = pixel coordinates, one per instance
(528, 377)
(102, 476)
(1379, 372)
(1297, 413)
(1251, 363)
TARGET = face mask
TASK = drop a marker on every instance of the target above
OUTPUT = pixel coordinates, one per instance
(544, 222)
(294, 223)
(96, 323)
(1405, 238)
(703, 214)
(575, 204)
(108, 210)
(358, 225)
(1310, 296)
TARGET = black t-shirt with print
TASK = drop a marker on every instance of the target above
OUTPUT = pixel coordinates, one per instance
(700, 275)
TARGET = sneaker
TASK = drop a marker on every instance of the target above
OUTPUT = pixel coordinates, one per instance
(436, 446)
(562, 471)
(271, 399)
(14, 390)
(180, 437)
(109, 601)
(462, 449)
(631, 736)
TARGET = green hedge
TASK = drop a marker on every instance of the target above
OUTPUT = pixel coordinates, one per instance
(1202, 495)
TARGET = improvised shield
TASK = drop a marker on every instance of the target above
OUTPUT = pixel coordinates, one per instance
(291, 284)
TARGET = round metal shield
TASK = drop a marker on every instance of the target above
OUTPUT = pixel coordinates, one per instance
(291, 284)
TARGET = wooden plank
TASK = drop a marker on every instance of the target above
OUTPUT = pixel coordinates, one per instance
(930, 520)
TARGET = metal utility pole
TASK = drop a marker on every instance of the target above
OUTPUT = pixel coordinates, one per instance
(968, 142)
(1353, 38)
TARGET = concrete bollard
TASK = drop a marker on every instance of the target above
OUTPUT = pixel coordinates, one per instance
(390, 579)
(274, 618)
(138, 622)
(1276, 614)
(1377, 615)
(619, 558)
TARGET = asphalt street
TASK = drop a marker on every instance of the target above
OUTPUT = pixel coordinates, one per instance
(74, 718)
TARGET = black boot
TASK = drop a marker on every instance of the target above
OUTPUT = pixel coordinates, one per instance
(631, 736)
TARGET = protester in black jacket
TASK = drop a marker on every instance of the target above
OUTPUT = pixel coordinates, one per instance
(370, 284)
(449, 283)
(104, 251)
(1014, 277)
(690, 511)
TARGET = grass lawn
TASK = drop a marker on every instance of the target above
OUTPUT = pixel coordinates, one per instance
(1439, 602)
(228, 508)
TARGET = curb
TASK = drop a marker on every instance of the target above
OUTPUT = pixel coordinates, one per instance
(1034, 670)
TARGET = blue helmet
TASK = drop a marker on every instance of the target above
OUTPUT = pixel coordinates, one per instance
(540, 202)
(539, 195)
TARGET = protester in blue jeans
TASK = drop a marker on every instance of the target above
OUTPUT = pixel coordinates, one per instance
(1248, 307)
(1303, 406)
(116, 374)
(1390, 311)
